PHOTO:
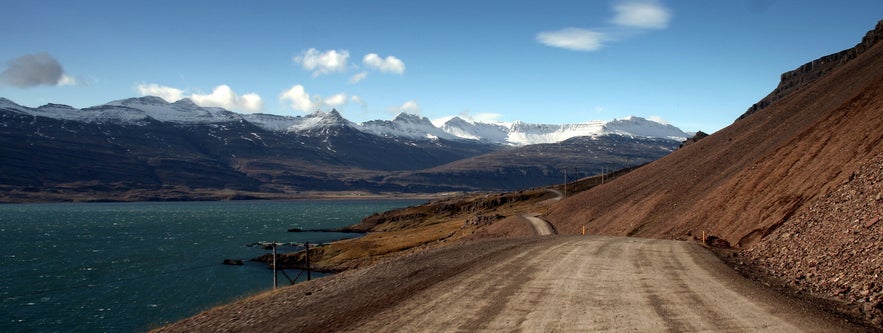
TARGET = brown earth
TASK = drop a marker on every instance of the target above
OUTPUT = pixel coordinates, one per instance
(437, 222)
(765, 176)
(794, 185)
(527, 284)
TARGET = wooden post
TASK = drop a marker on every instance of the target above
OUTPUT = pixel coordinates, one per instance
(584, 230)
(274, 266)
(307, 249)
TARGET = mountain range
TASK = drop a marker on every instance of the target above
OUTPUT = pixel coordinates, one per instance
(148, 144)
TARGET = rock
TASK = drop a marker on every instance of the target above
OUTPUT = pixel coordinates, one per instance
(234, 262)
(718, 242)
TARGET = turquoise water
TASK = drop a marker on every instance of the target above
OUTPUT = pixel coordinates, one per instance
(121, 267)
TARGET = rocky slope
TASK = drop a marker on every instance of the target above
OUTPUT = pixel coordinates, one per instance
(832, 245)
(768, 174)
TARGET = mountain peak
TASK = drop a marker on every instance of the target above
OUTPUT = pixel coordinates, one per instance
(412, 118)
(145, 100)
(7, 104)
(186, 103)
(334, 114)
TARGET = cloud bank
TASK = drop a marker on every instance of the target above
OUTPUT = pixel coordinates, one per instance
(222, 96)
(636, 15)
(31, 70)
(299, 100)
(337, 61)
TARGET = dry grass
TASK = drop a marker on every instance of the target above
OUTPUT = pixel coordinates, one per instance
(460, 218)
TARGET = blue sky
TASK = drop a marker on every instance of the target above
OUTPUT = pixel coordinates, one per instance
(696, 64)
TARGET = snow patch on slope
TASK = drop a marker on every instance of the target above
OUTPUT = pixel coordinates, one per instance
(140, 110)
(520, 133)
(407, 126)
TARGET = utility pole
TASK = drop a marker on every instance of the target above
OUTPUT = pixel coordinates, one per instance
(307, 250)
(565, 182)
(275, 280)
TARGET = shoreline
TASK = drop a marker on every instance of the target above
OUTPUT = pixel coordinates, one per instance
(220, 195)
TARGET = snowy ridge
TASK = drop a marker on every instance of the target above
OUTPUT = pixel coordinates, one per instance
(407, 126)
(183, 111)
(10, 105)
(637, 126)
(460, 128)
(139, 111)
(520, 133)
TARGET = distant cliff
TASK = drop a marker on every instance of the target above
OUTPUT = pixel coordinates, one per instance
(816, 69)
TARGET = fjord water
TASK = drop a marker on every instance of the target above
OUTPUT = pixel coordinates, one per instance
(120, 267)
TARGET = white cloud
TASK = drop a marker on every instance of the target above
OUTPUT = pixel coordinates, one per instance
(336, 100)
(358, 77)
(223, 96)
(298, 97)
(167, 93)
(575, 39)
(300, 100)
(484, 117)
(647, 14)
(658, 119)
(327, 62)
(631, 16)
(390, 64)
(410, 107)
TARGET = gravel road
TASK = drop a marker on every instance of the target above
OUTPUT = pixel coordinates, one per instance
(548, 284)
(540, 226)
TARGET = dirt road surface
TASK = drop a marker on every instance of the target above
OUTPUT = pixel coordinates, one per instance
(541, 227)
(545, 284)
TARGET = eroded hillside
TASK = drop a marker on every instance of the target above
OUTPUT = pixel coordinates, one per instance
(764, 174)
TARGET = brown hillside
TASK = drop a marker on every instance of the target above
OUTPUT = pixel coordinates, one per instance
(748, 178)
(777, 167)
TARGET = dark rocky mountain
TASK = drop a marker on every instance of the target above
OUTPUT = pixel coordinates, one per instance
(542, 164)
(147, 144)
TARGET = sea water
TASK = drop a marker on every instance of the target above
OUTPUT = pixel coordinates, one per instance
(121, 267)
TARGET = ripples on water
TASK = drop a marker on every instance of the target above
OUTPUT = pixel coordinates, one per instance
(132, 266)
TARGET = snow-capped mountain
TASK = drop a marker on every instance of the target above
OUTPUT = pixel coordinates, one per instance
(520, 133)
(406, 125)
(185, 111)
(150, 149)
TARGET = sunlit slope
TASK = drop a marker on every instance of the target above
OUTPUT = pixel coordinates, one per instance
(750, 177)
